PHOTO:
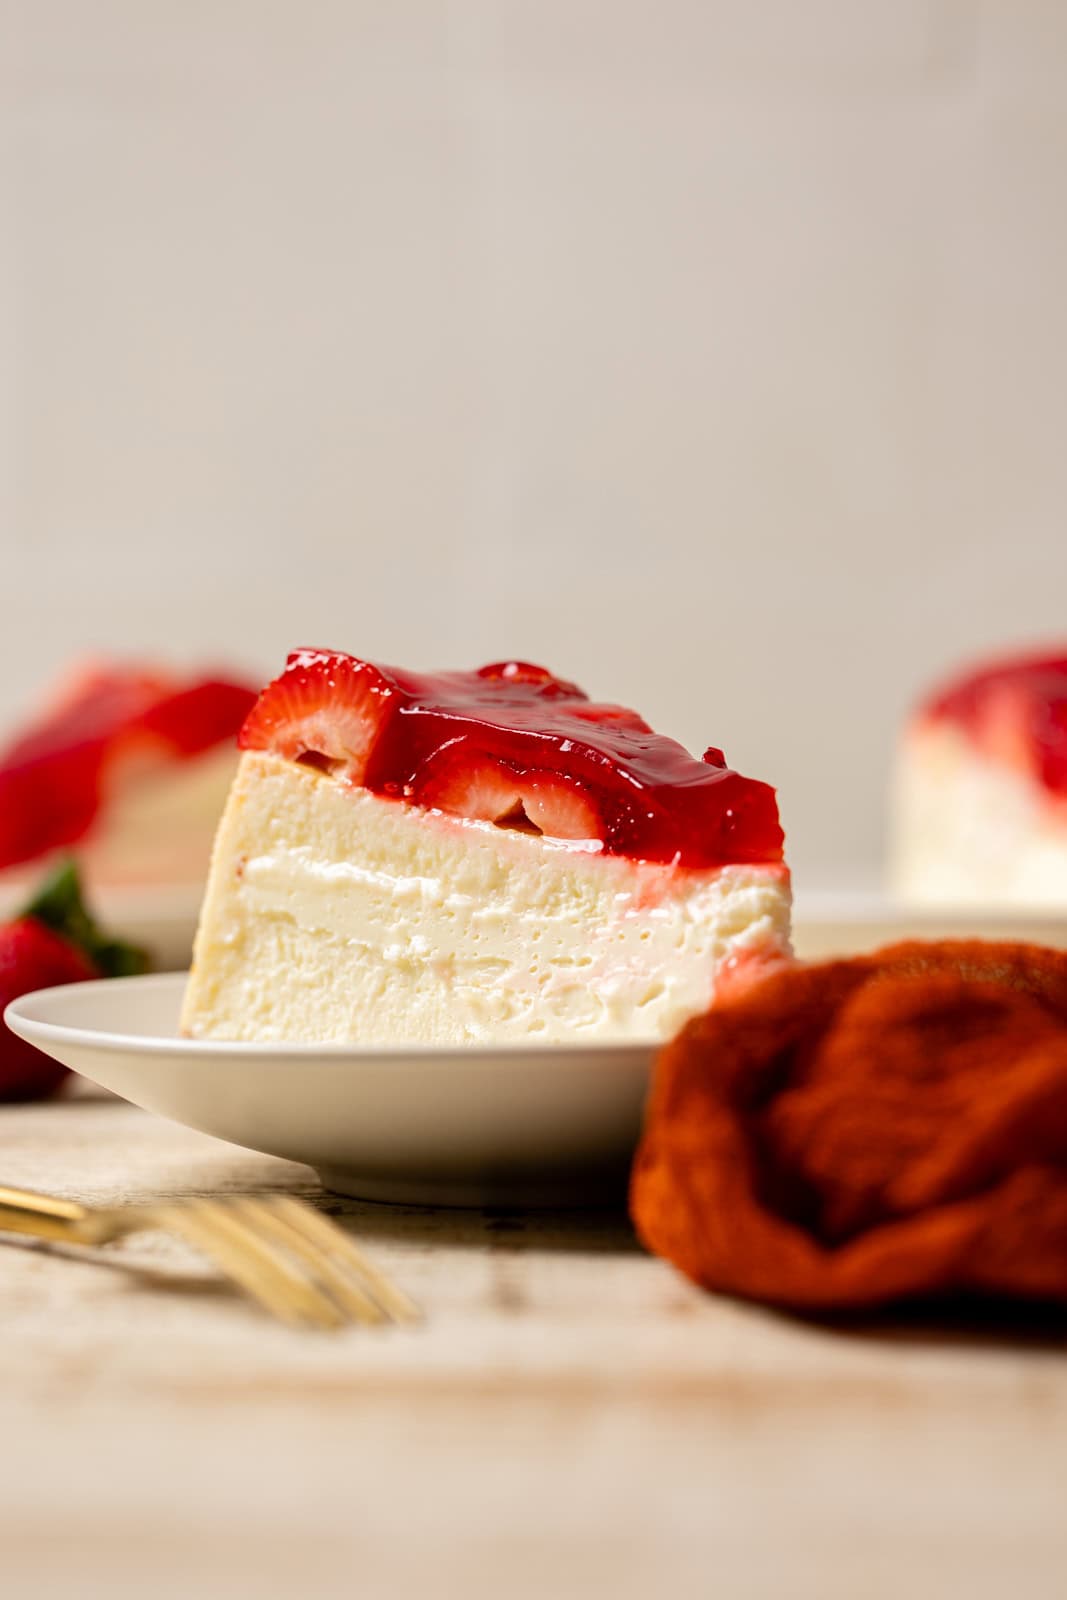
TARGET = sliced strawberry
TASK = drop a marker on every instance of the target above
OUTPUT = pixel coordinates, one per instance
(466, 785)
(470, 785)
(326, 709)
(561, 809)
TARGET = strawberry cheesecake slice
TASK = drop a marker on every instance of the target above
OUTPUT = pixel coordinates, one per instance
(474, 857)
(126, 766)
(980, 802)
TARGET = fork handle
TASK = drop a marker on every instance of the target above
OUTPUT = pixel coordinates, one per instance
(43, 1215)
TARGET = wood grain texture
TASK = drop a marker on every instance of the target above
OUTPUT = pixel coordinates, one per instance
(572, 1419)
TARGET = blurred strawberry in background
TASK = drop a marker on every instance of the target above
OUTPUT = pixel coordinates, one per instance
(54, 940)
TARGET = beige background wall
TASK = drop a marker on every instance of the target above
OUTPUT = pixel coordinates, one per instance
(711, 350)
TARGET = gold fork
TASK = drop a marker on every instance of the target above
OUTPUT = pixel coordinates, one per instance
(296, 1263)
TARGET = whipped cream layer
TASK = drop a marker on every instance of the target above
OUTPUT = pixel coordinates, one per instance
(968, 830)
(333, 914)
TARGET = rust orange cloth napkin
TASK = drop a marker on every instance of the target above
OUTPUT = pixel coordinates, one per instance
(851, 1133)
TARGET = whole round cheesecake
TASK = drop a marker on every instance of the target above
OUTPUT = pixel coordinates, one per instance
(480, 856)
(980, 795)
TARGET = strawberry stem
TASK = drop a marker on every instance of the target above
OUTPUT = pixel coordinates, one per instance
(60, 906)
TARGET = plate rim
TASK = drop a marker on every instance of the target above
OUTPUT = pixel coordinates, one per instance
(36, 1031)
(858, 906)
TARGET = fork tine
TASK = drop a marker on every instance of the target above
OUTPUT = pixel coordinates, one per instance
(260, 1270)
(342, 1250)
(237, 1265)
(268, 1221)
(291, 1273)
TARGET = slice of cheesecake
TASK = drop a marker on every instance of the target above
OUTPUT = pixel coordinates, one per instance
(980, 795)
(126, 766)
(475, 857)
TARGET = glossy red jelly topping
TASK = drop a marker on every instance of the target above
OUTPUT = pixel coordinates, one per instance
(53, 775)
(1017, 710)
(513, 744)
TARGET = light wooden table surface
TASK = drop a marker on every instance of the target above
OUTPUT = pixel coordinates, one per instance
(573, 1419)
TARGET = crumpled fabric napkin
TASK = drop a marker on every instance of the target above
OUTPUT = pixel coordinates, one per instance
(852, 1133)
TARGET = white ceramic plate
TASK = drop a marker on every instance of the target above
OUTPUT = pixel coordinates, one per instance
(544, 1125)
(847, 922)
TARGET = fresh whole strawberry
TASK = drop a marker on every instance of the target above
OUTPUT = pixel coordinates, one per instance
(33, 957)
(54, 941)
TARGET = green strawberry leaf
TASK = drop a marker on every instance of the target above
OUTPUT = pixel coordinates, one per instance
(60, 906)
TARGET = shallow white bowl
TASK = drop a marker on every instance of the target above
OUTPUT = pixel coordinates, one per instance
(544, 1125)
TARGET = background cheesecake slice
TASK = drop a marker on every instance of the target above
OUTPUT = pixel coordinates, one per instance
(980, 794)
(126, 766)
(466, 857)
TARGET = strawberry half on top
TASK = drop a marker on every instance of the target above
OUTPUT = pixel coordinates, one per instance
(475, 857)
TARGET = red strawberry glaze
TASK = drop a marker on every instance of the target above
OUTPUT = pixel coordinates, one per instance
(512, 743)
(53, 774)
(1016, 709)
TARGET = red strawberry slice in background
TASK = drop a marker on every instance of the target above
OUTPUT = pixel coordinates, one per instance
(326, 709)
(194, 718)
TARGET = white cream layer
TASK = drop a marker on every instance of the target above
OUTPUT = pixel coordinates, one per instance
(333, 914)
(969, 831)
